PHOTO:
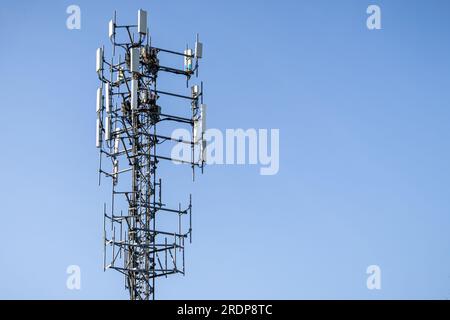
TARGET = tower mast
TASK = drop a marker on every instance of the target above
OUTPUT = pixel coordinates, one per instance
(131, 148)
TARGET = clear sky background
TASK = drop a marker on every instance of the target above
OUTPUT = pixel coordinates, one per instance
(364, 149)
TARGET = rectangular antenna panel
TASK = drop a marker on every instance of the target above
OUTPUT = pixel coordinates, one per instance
(198, 49)
(99, 61)
(117, 140)
(134, 52)
(134, 94)
(111, 28)
(99, 100)
(197, 131)
(98, 134)
(107, 128)
(142, 21)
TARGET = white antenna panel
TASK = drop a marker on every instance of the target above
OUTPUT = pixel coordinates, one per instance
(99, 60)
(197, 131)
(198, 49)
(134, 60)
(99, 100)
(98, 134)
(142, 21)
(134, 94)
(117, 141)
(107, 128)
(107, 98)
(111, 28)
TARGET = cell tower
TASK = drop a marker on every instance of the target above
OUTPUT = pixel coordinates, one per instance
(144, 239)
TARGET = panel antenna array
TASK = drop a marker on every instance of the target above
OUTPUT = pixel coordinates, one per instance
(143, 238)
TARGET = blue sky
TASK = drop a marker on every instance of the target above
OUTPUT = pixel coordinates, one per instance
(364, 149)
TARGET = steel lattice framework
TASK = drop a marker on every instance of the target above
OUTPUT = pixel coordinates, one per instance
(128, 121)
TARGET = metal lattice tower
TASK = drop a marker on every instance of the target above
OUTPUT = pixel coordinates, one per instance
(129, 119)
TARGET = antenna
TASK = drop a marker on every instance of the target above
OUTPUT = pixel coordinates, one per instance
(99, 60)
(132, 124)
(142, 22)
